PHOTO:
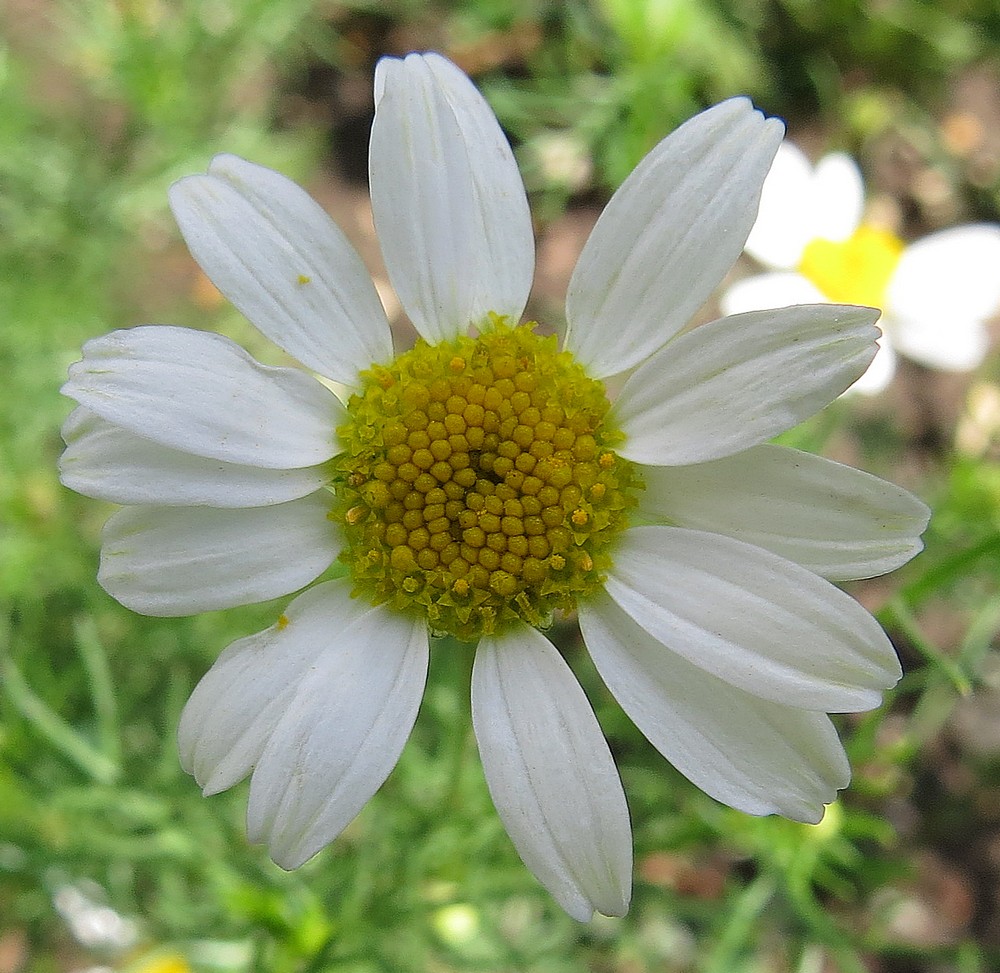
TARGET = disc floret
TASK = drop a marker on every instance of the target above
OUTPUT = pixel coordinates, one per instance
(479, 483)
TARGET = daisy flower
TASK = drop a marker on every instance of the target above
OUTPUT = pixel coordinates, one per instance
(936, 294)
(480, 482)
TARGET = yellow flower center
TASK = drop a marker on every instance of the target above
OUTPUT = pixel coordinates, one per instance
(478, 483)
(856, 270)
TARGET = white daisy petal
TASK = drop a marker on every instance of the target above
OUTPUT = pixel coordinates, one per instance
(755, 755)
(837, 197)
(957, 345)
(830, 518)
(738, 381)
(946, 278)
(110, 463)
(668, 237)
(781, 230)
(943, 290)
(237, 704)
(203, 394)
(170, 561)
(756, 620)
(550, 773)
(449, 205)
(764, 291)
(277, 256)
(343, 729)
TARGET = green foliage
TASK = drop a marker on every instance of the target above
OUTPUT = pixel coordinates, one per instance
(103, 105)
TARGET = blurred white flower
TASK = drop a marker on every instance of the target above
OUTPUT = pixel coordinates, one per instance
(936, 294)
(563, 159)
(93, 923)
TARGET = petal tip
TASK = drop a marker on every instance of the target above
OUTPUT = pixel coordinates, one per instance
(295, 855)
(180, 191)
(222, 161)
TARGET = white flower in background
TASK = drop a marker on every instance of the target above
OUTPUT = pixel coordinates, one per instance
(936, 294)
(481, 481)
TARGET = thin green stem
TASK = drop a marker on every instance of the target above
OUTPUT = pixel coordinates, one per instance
(95, 661)
(900, 616)
(734, 936)
(54, 728)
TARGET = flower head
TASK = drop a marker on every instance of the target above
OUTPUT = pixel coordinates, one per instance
(936, 294)
(483, 480)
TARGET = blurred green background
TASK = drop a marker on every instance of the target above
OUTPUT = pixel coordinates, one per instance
(109, 857)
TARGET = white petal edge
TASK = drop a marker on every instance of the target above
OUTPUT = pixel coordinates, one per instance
(170, 561)
(277, 256)
(765, 291)
(668, 236)
(880, 372)
(550, 773)
(755, 755)
(755, 620)
(834, 520)
(104, 461)
(447, 199)
(203, 394)
(343, 728)
(738, 381)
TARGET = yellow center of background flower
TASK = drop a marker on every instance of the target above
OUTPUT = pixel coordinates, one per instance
(856, 270)
(478, 483)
